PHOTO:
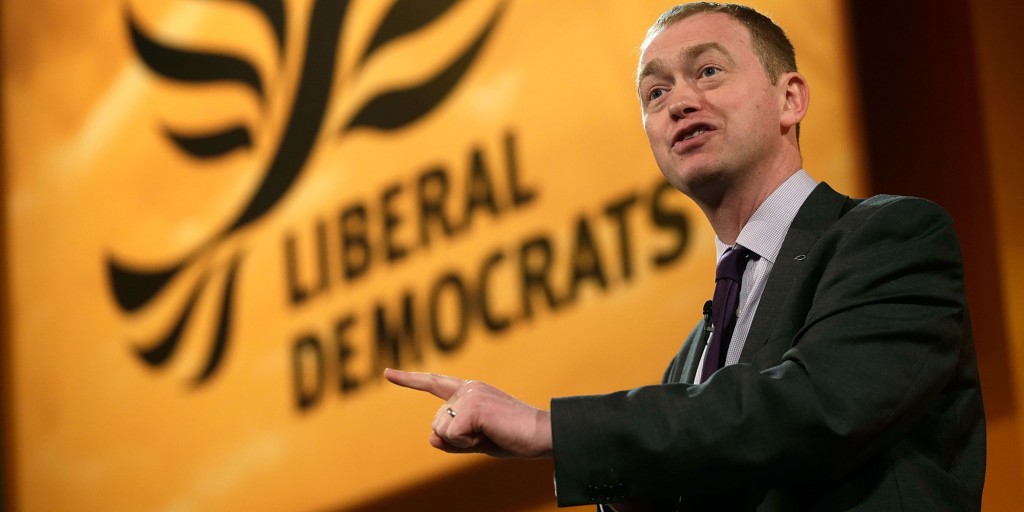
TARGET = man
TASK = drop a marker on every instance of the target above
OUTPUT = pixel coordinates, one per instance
(852, 386)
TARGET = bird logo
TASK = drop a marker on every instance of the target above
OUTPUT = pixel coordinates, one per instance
(212, 265)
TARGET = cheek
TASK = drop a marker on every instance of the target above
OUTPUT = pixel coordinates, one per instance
(652, 132)
(767, 107)
(754, 119)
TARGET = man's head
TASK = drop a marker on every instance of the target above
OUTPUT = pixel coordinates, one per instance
(721, 100)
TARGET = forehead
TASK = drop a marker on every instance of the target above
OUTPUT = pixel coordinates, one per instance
(700, 29)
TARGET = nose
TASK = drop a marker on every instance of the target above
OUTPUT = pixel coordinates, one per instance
(683, 104)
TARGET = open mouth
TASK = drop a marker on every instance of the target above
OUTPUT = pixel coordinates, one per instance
(691, 132)
(694, 134)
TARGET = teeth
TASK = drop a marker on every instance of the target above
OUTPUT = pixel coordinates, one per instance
(694, 134)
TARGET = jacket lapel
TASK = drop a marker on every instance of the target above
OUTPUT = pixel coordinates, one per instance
(821, 209)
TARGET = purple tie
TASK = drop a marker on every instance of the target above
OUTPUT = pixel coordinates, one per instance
(723, 307)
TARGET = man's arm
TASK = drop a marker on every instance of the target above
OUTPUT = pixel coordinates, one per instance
(883, 336)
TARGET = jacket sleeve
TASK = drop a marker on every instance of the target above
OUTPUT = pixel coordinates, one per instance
(881, 339)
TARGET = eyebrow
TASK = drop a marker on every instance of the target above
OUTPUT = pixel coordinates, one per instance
(656, 66)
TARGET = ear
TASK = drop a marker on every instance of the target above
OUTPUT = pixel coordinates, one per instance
(797, 97)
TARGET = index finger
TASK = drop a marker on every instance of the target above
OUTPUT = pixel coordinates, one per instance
(441, 386)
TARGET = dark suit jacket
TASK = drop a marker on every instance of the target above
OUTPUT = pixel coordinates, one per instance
(857, 388)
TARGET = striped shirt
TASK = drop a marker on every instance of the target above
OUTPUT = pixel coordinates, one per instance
(763, 234)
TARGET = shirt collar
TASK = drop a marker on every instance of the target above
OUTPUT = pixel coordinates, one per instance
(766, 229)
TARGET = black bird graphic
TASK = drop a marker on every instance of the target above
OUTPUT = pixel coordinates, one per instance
(135, 284)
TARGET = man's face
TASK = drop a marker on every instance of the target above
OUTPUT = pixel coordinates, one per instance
(710, 112)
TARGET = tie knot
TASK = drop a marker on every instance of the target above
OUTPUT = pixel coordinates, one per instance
(734, 262)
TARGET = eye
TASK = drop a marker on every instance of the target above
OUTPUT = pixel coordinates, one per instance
(655, 94)
(709, 71)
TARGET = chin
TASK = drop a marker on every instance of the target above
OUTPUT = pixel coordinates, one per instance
(691, 176)
(697, 183)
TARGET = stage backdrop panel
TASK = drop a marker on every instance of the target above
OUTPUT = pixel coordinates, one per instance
(224, 219)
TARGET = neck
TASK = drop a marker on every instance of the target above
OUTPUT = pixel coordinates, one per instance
(728, 206)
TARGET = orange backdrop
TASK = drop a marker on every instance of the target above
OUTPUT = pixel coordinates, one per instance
(224, 219)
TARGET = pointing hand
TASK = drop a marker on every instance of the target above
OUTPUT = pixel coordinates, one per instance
(479, 418)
